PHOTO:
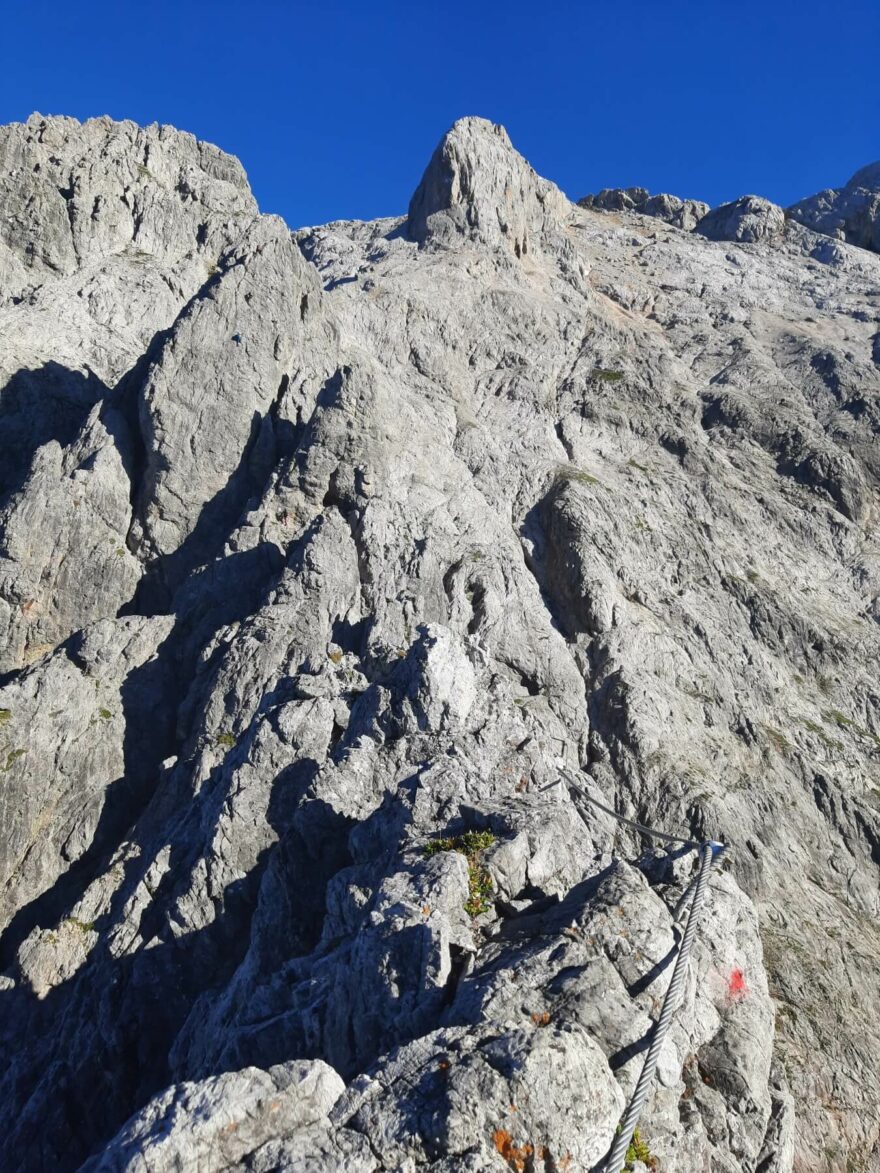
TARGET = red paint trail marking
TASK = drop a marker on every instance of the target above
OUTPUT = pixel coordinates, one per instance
(736, 985)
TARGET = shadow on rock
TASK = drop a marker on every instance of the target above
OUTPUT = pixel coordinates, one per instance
(36, 406)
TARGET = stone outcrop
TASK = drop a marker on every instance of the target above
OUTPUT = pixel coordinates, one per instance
(850, 213)
(748, 220)
(499, 202)
(321, 555)
(685, 214)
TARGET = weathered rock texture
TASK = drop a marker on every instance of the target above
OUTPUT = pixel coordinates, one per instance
(748, 220)
(321, 555)
(682, 213)
(850, 213)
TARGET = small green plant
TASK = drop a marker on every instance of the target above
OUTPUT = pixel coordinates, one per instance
(213, 269)
(639, 1151)
(697, 694)
(640, 467)
(479, 887)
(13, 756)
(471, 845)
(607, 376)
(105, 714)
(566, 472)
(226, 740)
(778, 740)
(818, 731)
(839, 719)
(843, 722)
(84, 926)
(5, 715)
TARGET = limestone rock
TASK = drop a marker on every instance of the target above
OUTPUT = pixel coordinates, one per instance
(108, 231)
(501, 201)
(77, 193)
(684, 214)
(850, 213)
(79, 750)
(218, 1123)
(748, 220)
(244, 336)
(322, 555)
(63, 551)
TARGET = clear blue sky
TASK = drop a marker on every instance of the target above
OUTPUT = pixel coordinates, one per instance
(334, 108)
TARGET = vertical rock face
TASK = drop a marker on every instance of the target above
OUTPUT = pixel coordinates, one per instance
(74, 194)
(477, 186)
(108, 231)
(321, 554)
(216, 404)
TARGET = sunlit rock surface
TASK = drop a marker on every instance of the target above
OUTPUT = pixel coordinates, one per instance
(320, 554)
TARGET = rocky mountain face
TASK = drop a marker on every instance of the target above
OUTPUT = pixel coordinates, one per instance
(321, 555)
(850, 213)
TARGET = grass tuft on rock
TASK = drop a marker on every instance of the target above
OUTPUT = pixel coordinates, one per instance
(471, 845)
(84, 926)
(567, 472)
(639, 1151)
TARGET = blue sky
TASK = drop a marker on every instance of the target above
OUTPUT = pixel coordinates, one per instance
(334, 108)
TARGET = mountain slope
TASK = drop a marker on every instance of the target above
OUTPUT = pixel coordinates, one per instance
(322, 554)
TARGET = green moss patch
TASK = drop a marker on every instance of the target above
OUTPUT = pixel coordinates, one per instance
(13, 757)
(84, 926)
(567, 472)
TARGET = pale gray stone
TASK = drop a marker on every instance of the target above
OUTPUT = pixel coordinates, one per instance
(321, 555)
(748, 220)
(685, 214)
(850, 213)
(219, 1122)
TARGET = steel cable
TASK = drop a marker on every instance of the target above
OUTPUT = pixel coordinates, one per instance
(695, 892)
(617, 1156)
